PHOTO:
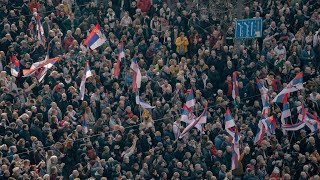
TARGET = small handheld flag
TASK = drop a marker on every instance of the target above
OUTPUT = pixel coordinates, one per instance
(96, 38)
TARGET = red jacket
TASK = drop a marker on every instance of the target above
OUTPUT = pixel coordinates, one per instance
(67, 43)
(33, 5)
(144, 5)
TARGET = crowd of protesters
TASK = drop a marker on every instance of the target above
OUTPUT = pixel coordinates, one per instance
(177, 48)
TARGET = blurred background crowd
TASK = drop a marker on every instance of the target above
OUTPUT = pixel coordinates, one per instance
(179, 45)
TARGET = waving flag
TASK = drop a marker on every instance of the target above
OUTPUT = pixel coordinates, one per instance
(40, 31)
(229, 121)
(293, 127)
(235, 85)
(270, 125)
(87, 74)
(96, 38)
(294, 85)
(48, 63)
(43, 72)
(190, 102)
(121, 55)
(232, 130)
(309, 119)
(136, 74)
(285, 115)
(230, 125)
(264, 98)
(202, 118)
(281, 98)
(84, 123)
(142, 103)
(312, 122)
(260, 133)
(15, 69)
(188, 117)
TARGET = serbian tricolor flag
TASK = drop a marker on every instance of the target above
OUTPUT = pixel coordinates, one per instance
(188, 117)
(202, 118)
(15, 69)
(142, 103)
(136, 74)
(190, 102)
(38, 65)
(120, 56)
(270, 125)
(43, 71)
(229, 121)
(235, 85)
(96, 38)
(264, 98)
(40, 31)
(260, 133)
(87, 73)
(312, 122)
(294, 85)
(309, 119)
(293, 127)
(84, 124)
(232, 130)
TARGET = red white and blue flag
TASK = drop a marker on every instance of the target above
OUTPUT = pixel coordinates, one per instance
(38, 65)
(264, 98)
(121, 55)
(309, 119)
(201, 118)
(293, 127)
(15, 69)
(136, 74)
(312, 122)
(270, 125)
(260, 133)
(190, 102)
(232, 130)
(40, 31)
(188, 117)
(87, 73)
(235, 85)
(229, 121)
(96, 38)
(294, 85)
(43, 72)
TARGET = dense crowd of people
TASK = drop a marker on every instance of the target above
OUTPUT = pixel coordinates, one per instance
(177, 48)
